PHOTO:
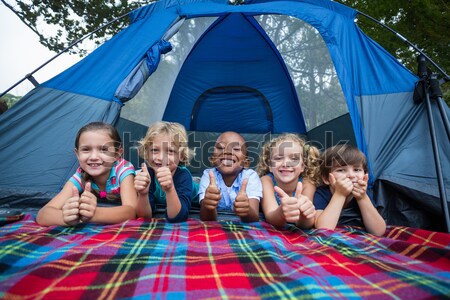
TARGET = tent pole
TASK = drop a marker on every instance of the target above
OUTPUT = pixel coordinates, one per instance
(429, 82)
(424, 78)
(30, 75)
(436, 94)
(446, 77)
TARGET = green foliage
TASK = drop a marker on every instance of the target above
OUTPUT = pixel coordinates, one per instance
(11, 99)
(425, 23)
(60, 23)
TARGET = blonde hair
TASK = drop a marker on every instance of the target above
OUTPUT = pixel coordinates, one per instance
(310, 155)
(175, 131)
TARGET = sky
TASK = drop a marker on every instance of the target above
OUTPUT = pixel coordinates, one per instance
(21, 53)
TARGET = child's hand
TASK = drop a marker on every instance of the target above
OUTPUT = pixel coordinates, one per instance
(360, 188)
(70, 208)
(88, 204)
(142, 180)
(212, 194)
(342, 186)
(290, 206)
(241, 203)
(306, 206)
(164, 177)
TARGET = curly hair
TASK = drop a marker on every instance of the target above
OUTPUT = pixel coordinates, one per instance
(310, 157)
(177, 134)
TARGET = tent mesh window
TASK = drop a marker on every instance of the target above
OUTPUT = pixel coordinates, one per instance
(303, 52)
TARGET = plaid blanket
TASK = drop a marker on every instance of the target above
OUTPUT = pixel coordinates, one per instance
(154, 259)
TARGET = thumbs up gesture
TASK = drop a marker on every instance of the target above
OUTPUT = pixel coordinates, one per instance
(142, 180)
(241, 203)
(88, 204)
(360, 188)
(70, 208)
(290, 206)
(212, 194)
(164, 176)
(306, 206)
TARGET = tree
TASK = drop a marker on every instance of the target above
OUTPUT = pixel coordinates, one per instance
(10, 99)
(60, 23)
(423, 23)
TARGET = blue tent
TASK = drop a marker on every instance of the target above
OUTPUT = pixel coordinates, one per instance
(263, 67)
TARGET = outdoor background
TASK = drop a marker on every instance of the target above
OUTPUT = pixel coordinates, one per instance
(32, 33)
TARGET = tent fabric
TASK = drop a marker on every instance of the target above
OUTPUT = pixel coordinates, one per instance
(38, 140)
(403, 155)
(134, 82)
(233, 45)
(222, 58)
(242, 103)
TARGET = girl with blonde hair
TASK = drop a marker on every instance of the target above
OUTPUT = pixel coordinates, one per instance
(289, 174)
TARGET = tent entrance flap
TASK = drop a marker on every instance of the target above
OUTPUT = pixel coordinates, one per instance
(235, 51)
(214, 109)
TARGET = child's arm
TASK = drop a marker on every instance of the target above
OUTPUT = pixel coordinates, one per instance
(208, 208)
(306, 206)
(273, 212)
(165, 179)
(178, 193)
(142, 184)
(309, 188)
(308, 211)
(373, 222)
(299, 209)
(118, 214)
(247, 209)
(329, 217)
(62, 210)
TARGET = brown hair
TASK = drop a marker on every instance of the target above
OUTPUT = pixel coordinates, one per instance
(114, 135)
(339, 156)
(310, 157)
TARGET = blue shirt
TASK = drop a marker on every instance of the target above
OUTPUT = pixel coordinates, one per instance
(254, 187)
(350, 215)
(182, 181)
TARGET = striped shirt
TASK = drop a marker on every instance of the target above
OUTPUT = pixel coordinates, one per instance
(120, 169)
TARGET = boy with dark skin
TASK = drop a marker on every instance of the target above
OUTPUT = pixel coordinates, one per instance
(230, 185)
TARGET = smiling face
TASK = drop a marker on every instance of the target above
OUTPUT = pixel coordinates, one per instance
(286, 161)
(97, 153)
(163, 152)
(230, 154)
(352, 172)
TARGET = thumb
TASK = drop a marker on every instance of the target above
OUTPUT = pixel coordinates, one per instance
(299, 190)
(243, 188)
(280, 192)
(75, 192)
(165, 161)
(212, 179)
(87, 187)
(144, 167)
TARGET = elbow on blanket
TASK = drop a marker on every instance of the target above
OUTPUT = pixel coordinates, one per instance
(181, 217)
